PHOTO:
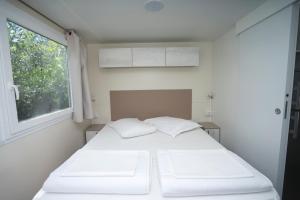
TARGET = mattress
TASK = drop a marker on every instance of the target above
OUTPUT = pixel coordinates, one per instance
(108, 139)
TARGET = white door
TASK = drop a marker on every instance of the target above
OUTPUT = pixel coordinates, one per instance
(264, 68)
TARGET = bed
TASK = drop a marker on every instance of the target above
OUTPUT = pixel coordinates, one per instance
(196, 139)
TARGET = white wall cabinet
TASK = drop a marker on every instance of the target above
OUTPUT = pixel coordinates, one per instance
(115, 57)
(149, 57)
(182, 56)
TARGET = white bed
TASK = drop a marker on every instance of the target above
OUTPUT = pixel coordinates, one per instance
(108, 139)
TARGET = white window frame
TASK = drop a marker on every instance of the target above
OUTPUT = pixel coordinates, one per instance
(3, 119)
(11, 128)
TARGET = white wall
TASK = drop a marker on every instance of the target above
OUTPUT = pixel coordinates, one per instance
(225, 88)
(27, 162)
(196, 78)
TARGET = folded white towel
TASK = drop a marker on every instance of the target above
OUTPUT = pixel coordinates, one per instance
(101, 163)
(139, 183)
(177, 181)
(206, 164)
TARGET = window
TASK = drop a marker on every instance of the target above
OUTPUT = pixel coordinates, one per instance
(34, 75)
(39, 67)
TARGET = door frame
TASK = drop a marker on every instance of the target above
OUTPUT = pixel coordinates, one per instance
(289, 90)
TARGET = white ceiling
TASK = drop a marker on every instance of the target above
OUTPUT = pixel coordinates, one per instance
(127, 21)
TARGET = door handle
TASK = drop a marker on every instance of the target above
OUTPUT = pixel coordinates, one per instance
(285, 109)
(286, 105)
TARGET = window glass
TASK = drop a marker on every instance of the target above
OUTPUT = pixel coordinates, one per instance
(39, 67)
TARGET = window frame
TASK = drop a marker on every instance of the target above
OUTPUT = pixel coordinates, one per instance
(12, 128)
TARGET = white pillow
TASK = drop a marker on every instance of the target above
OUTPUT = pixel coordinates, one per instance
(172, 126)
(131, 127)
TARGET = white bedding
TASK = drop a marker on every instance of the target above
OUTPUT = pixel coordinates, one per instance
(138, 183)
(109, 140)
(205, 175)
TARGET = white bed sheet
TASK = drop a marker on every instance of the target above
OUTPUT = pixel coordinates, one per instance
(195, 139)
(108, 139)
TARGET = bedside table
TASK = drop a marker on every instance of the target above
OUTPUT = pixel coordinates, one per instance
(212, 129)
(92, 130)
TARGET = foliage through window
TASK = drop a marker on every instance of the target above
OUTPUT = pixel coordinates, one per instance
(39, 67)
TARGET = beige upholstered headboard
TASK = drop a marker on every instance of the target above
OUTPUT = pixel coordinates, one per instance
(144, 104)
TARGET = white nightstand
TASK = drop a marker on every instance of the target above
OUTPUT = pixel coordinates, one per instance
(92, 130)
(212, 129)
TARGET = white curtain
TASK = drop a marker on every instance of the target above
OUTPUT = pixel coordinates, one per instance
(77, 63)
(86, 94)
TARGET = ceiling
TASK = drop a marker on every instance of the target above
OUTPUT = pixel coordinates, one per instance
(112, 21)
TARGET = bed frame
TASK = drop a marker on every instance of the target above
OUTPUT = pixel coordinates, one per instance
(145, 104)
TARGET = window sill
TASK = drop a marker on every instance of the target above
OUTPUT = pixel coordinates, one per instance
(33, 125)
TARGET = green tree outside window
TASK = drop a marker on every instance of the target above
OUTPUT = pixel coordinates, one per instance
(39, 67)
